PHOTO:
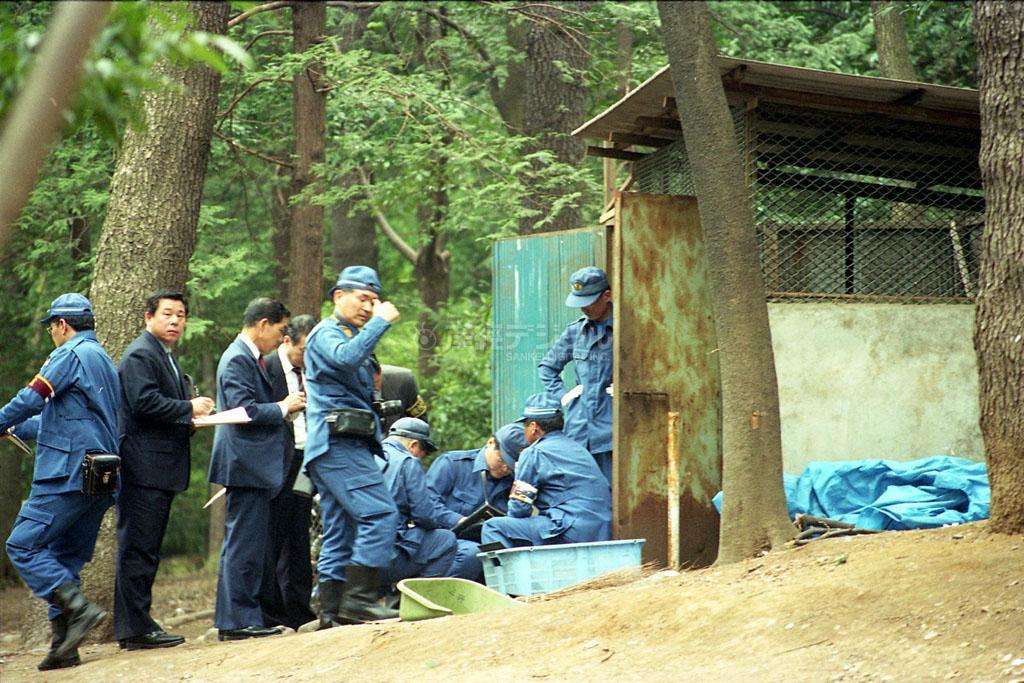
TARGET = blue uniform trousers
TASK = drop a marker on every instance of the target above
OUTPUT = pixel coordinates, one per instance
(466, 565)
(142, 515)
(242, 557)
(359, 514)
(434, 557)
(604, 463)
(513, 532)
(53, 537)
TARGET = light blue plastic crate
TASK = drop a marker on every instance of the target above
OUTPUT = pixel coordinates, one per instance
(542, 569)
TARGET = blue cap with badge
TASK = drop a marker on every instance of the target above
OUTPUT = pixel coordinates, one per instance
(541, 407)
(511, 441)
(413, 428)
(72, 304)
(357, 277)
(586, 285)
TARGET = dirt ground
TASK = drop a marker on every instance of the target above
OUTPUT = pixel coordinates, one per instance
(925, 605)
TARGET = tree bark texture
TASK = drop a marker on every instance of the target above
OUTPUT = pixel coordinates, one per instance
(353, 230)
(891, 40)
(309, 106)
(998, 340)
(353, 234)
(150, 228)
(552, 98)
(754, 516)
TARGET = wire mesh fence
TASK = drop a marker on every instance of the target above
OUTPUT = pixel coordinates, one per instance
(851, 206)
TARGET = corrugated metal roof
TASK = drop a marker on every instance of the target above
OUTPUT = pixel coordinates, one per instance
(749, 75)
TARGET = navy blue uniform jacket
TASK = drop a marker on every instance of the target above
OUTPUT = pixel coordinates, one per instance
(251, 454)
(156, 417)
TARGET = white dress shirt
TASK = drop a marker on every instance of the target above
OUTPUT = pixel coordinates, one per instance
(298, 418)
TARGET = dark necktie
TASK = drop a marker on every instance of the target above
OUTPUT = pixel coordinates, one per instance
(298, 374)
(263, 363)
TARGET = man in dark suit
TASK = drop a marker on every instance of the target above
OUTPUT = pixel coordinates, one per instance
(248, 460)
(156, 421)
(287, 573)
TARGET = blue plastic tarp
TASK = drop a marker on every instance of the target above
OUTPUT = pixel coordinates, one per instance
(888, 494)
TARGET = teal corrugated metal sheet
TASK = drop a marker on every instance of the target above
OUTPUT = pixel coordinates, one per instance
(530, 282)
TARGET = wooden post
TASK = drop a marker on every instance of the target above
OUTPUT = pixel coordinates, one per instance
(673, 491)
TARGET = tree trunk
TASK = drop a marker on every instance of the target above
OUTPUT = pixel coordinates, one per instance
(353, 234)
(999, 34)
(891, 40)
(281, 218)
(150, 229)
(553, 95)
(433, 272)
(754, 516)
(309, 102)
(10, 503)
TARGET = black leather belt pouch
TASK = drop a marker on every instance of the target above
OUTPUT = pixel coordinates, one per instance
(352, 422)
(101, 473)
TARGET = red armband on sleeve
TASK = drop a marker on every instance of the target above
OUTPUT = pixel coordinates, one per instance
(41, 386)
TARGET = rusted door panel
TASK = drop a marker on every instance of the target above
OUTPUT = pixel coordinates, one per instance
(664, 361)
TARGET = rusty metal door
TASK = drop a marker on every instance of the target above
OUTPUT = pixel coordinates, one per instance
(664, 361)
(530, 282)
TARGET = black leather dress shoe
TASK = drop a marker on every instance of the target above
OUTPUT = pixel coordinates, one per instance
(151, 641)
(247, 632)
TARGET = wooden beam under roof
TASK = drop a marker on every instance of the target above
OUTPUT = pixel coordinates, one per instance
(639, 139)
(612, 153)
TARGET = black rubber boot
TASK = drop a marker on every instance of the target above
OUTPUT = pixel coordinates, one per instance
(59, 626)
(331, 594)
(362, 595)
(82, 616)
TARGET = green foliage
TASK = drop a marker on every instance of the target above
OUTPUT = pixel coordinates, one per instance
(120, 65)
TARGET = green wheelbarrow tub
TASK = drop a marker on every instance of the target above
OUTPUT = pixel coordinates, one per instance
(439, 597)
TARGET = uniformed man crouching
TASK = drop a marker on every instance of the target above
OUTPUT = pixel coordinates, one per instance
(423, 546)
(343, 434)
(76, 396)
(556, 475)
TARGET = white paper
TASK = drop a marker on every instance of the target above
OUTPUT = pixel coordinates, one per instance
(572, 394)
(235, 416)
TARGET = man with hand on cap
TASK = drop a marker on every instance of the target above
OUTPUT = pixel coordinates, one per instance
(76, 395)
(342, 437)
(588, 343)
(570, 494)
(462, 481)
(423, 546)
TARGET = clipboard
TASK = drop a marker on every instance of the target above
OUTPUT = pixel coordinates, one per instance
(478, 516)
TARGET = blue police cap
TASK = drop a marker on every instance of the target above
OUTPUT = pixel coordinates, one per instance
(540, 407)
(586, 285)
(357, 277)
(511, 441)
(413, 428)
(67, 305)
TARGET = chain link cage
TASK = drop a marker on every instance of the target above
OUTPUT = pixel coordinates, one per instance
(851, 207)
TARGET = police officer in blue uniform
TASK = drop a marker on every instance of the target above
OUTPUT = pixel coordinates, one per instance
(342, 437)
(570, 494)
(424, 547)
(462, 481)
(76, 395)
(588, 343)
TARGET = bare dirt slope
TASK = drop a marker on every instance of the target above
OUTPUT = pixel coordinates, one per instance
(935, 605)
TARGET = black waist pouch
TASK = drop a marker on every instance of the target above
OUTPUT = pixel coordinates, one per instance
(352, 422)
(101, 473)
